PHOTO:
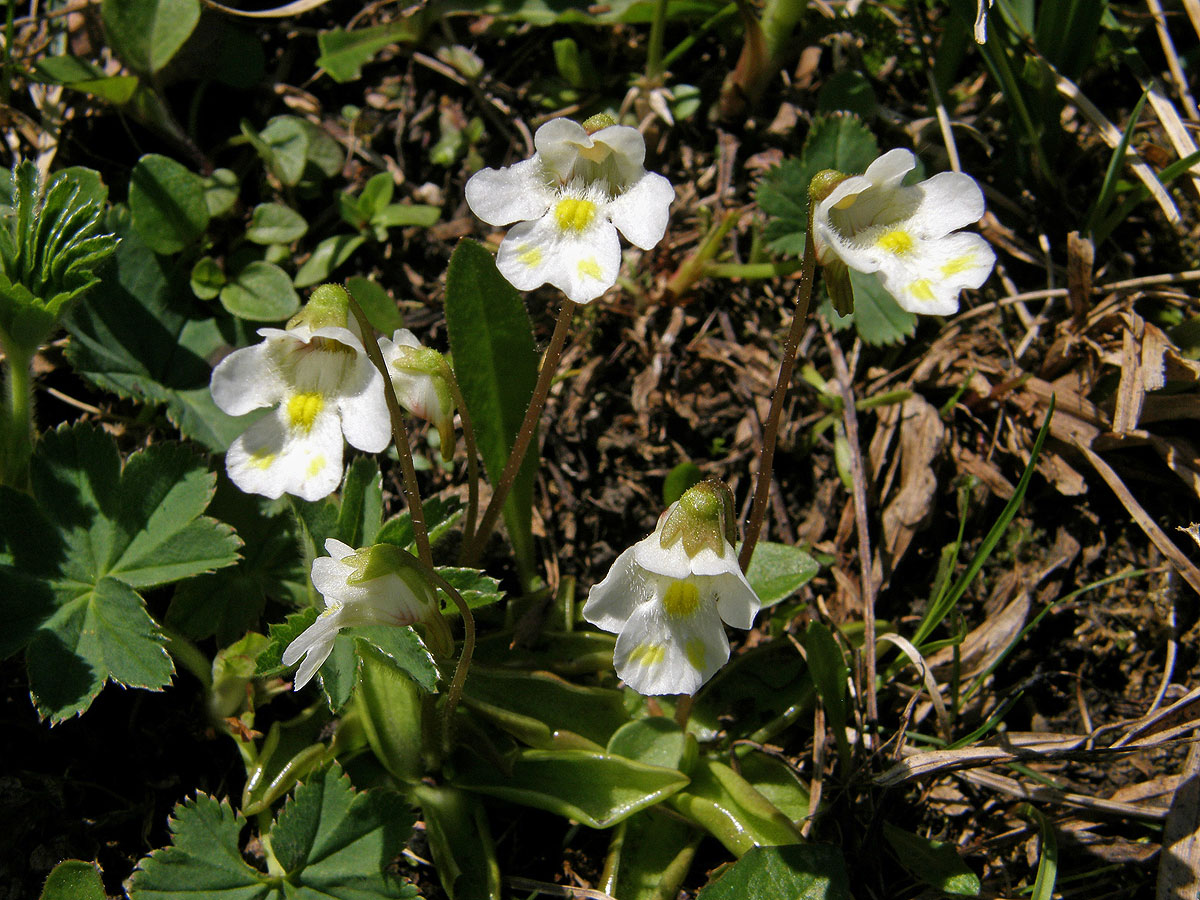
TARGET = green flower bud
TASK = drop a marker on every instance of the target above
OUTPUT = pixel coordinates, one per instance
(823, 183)
(594, 123)
(703, 518)
(328, 306)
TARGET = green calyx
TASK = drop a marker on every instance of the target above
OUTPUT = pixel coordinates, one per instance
(420, 361)
(327, 307)
(381, 560)
(703, 518)
(594, 123)
(823, 183)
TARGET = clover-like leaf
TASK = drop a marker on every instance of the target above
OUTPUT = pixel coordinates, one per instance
(71, 561)
(329, 841)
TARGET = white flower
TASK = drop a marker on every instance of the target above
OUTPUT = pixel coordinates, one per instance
(666, 607)
(362, 587)
(873, 223)
(421, 387)
(323, 387)
(570, 198)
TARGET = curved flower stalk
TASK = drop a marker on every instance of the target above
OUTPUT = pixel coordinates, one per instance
(905, 234)
(418, 377)
(667, 596)
(317, 375)
(360, 587)
(583, 185)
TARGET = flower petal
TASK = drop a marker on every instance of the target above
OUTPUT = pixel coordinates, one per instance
(329, 576)
(516, 193)
(736, 601)
(611, 602)
(558, 143)
(641, 212)
(271, 458)
(365, 420)
(582, 264)
(628, 149)
(657, 654)
(949, 201)
(670, 562)
(246, 380)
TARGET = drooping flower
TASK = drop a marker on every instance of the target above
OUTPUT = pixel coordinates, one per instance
(323, 387)
(906, 234)
(666, 597)
(417, 374)
(583, 185)
(360, 587)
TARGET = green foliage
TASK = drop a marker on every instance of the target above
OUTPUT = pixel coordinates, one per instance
(167, 203)
(344, 53)
(496, 365)
(934, 863)
(141, 335)
(274, 223)
(148, 33)
(50, 248)
(328, 255)
(74, 879)
(71, 567)
(596, 789)
(543, 710)
(457, 829)
(260, 292)
(373, 208)
(296, 151)
(328, 841)
(777, 571)
(831, 678)
(728, 807)
(81, 75)
(378, 306)
(798, 872)
(653, 853)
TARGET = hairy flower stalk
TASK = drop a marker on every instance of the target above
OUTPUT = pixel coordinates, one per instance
(583, 185)
(667, 596)
(324, 389)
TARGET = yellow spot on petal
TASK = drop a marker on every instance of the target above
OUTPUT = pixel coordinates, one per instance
(957, 265)
(898, 242)
(589, 268)
(315, 467)
(681, 600)
(647, 655)
(303, 409)
(529, 255)
(695, 653)
(262, 458)
(573, 214)
(921, 290)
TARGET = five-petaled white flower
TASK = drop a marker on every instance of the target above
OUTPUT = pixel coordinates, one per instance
(360, 587)
(418, 378)
(666, 596)
(323, 386)
(584, 183)
(873, 223)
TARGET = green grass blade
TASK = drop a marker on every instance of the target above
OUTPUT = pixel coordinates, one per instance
(940, 609)
(1108, 187)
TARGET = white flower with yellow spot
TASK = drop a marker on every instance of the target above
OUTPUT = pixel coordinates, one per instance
(906, 234)
(666, 598)
(323, 387)
(360, 587)
(583, 185)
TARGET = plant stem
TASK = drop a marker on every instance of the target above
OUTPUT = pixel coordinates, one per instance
(654, 48)
(10, 34)
(16, 421)
(454, 693)
(472, 459)
(524, 434)
(695, 266)
(750, 270)
(412, 492)
(766, 459)
(189, 656)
